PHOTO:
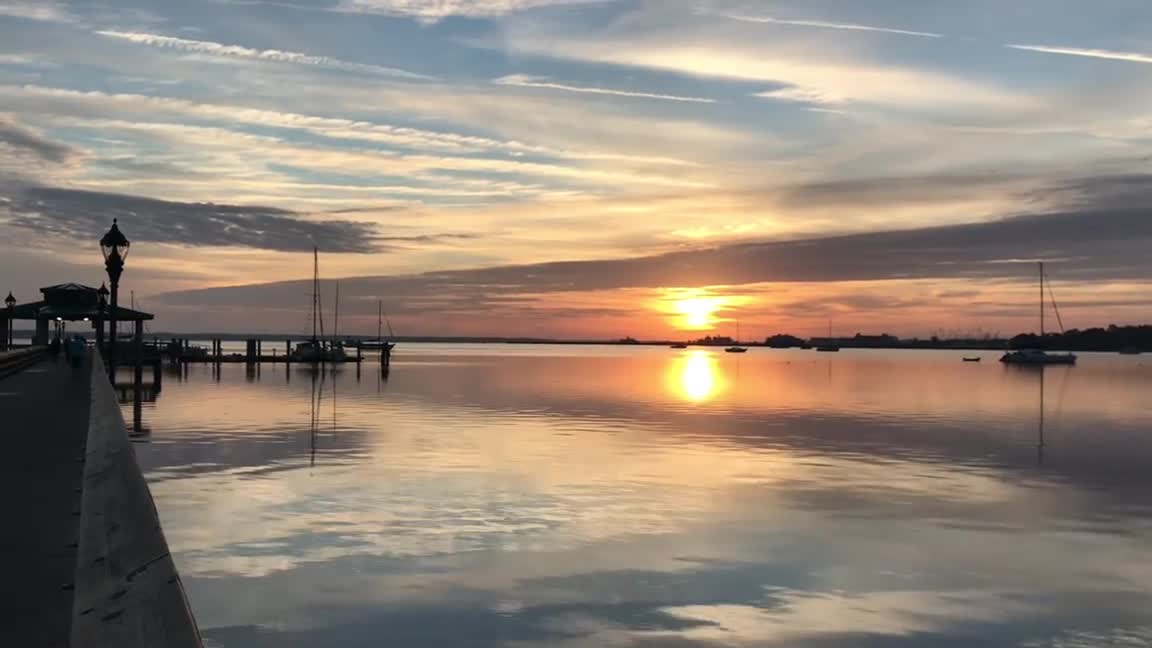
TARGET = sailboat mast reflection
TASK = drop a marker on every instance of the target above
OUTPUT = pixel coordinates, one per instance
(1040, 434)
(315, 401)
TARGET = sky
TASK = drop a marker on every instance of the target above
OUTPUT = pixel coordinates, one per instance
(585, 168)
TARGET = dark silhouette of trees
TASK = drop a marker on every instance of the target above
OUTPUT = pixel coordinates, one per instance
(1113, 338)
(784, 341)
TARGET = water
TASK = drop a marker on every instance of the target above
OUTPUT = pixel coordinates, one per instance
(616, 496)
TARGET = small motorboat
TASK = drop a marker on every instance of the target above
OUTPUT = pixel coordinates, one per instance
(735, 349)
(679, 346)
(828, 349)
(974, 359)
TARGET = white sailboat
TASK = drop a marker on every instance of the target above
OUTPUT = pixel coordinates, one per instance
(316, 349)
(1039, 356)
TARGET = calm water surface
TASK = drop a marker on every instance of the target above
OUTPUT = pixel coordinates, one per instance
(586, 496)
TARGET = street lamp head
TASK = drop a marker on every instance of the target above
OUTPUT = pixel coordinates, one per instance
(10, 301)
(114, 245)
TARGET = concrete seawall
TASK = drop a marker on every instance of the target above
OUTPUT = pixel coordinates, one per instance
(128, 593)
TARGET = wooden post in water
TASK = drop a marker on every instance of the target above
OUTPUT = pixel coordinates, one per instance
(138, 378)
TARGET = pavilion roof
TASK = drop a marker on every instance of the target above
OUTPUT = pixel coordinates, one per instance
(44, 310)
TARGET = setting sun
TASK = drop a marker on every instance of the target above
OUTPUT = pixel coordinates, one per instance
(697, 312)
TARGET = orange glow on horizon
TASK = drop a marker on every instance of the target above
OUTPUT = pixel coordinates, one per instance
(696, 309)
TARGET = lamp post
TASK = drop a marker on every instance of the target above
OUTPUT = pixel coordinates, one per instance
(114, 245)
(10, 302)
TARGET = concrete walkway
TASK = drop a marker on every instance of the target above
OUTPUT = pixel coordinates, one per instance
(43, 424)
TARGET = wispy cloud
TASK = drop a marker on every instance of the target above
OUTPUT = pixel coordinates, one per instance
(435, 10)
(13, 136)
(827, 25)
(1131, 57)
(853, 79)
(271, 55)
(43, 10)
(82, 215)
(803, 95)
(86, 104)
(526, 81)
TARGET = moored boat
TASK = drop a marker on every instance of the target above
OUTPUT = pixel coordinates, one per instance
(1038, 356)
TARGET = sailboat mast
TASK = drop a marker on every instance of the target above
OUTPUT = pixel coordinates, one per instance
(315, 287)
(336, 324)
(1041, 300)
(380, 320)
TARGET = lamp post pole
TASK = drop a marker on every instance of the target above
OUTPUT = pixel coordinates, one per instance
(102, 297)
(115, 246)
(10, 302)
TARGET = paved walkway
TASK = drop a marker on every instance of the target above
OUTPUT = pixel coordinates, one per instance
(43, 426)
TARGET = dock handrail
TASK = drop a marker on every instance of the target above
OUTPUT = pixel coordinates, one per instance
(12, 362)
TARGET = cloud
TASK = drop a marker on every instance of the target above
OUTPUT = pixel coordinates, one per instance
(525, 81)
(1132, 57)
(42, 10)
(85, 215)
(13, 136)
(435, 10)
(61, 101)
(271, 55)
(1101, 245)
(802, 95)
(852, 79)
(827, 25)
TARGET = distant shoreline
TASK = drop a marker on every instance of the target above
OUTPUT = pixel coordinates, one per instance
(1052, 342)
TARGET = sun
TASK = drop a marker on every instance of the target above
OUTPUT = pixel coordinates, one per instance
(698, 309)
(698, 312)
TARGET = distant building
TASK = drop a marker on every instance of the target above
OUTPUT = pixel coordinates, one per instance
(859, 340)
(882, 340)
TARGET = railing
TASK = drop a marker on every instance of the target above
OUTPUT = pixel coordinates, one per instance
(12, 362)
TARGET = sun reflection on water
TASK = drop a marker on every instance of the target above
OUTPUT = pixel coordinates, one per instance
(697, 377)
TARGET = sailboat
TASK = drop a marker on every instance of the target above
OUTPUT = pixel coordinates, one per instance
(1038, 356)
(315, 350)
(828, 346)
(380, 343)
(736, 348)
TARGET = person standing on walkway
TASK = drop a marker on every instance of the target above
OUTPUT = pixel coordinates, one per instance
(76, 348)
